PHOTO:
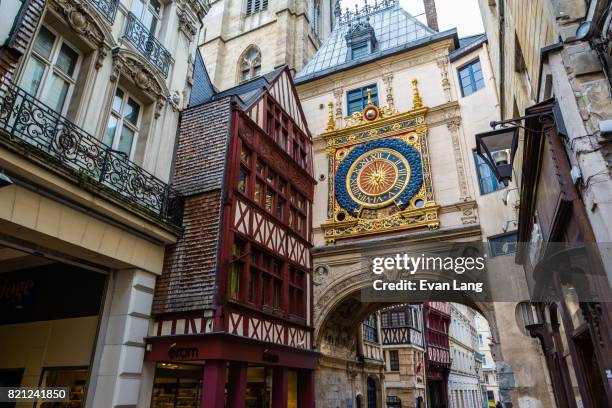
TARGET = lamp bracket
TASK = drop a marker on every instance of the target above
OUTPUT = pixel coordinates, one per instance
(542, 116)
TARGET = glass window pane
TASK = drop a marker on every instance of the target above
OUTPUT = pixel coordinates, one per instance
(125, 140)
(117, 100)
(67, 60)
(156, 6)
(32, 76)
(132, 109)
(139, 7)
(56, 93)
(44, 42)
(110, 130)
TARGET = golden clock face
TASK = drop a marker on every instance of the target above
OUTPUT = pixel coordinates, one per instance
(378, 177)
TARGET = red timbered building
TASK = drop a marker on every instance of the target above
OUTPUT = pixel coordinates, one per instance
(437, 317)
(233, 305)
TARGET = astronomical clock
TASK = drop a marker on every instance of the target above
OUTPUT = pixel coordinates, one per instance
(379, 174)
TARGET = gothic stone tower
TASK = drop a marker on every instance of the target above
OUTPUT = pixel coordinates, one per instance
(245, 38)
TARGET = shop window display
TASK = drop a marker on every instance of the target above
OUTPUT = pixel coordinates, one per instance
(74, 378)
(177, 386)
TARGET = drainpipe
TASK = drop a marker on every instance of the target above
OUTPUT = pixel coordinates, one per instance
(502, 59)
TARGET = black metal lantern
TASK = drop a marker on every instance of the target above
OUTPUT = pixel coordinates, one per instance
(497, 149)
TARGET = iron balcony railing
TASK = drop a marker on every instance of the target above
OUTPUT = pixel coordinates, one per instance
(108, 8)
(32, 124)
(146, 43)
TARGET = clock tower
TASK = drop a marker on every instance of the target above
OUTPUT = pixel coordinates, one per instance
(379, 173)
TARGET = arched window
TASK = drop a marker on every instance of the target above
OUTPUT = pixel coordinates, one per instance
(255, 6)
(250, 64)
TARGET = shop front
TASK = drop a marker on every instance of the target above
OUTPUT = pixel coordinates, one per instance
(49, 317)
(217, 370)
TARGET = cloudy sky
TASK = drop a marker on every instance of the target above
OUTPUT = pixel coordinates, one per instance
(463, 14)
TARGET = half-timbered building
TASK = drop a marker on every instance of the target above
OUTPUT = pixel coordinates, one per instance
(437, 317)
(234, 297)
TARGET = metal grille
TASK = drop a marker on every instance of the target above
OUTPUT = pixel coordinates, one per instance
(29, 122)
(108, 8)
(149, 46)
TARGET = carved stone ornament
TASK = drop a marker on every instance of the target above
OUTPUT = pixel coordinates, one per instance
(88, 24)
(132, 66)
(186, 24)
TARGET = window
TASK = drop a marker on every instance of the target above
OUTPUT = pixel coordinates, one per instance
(122, 128)
(486, 178)
(316, 17)
(235, 272)
(149, 12)
(51, 71)
(393, 360)
(255, 6)
(369, 329)
(480, 340)
(503, 244)
(250, 64)
(359, 50)
(358, 98)
(470, 77)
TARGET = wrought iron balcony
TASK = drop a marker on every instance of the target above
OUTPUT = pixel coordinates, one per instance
(28, 123)
(149, 46)
(108, 8)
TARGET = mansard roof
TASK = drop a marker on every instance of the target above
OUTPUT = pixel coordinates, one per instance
(394, 30)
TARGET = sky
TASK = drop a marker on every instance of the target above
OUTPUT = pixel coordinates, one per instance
(463, 14)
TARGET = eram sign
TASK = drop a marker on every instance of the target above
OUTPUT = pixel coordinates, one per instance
(182, 353)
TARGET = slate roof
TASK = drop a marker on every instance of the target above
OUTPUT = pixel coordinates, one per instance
(396, 30)
(467, 45)
(203, 90)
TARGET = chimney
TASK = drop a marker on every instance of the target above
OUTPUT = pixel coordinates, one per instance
(432, 14)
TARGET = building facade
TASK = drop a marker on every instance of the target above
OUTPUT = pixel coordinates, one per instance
(556, 57)
(403, 344)
(464, 386)
(372, 84)
(246, 38)
(437, 318)
(233, 301)
(488, 372)
(90, 100)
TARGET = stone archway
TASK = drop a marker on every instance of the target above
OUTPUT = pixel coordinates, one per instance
(340, 273)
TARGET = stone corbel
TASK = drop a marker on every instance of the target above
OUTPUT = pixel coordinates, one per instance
(186, 24)
(159, 105)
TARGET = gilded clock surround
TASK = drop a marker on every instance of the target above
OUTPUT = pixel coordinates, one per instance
(379, 173)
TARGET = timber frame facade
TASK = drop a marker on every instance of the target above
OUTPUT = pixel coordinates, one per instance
(236, 288)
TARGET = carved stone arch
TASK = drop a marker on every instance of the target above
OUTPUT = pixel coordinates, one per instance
(133, 66)
(252, 56)
(332, 296)
(86, 22)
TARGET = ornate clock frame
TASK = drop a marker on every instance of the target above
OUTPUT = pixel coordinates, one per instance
(378, 128)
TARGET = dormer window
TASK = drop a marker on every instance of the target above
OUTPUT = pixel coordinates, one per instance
(360, 50)
(360, 39)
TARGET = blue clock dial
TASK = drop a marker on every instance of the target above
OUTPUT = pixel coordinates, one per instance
(378, 174)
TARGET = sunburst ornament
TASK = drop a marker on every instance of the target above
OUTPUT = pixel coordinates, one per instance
(377, 177)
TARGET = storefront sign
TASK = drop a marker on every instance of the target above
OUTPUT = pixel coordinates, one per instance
(182, 353)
